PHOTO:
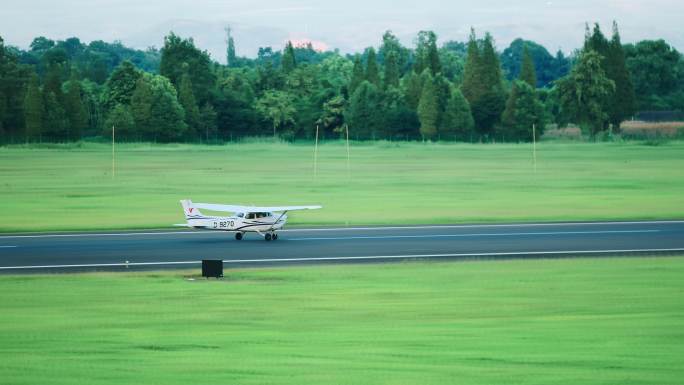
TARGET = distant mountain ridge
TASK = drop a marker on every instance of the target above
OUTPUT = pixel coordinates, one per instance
(211, 36)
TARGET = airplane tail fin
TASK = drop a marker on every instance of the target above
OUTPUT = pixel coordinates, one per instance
(190, 211)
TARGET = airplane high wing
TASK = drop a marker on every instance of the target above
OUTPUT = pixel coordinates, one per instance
(250, 209)
(265, 221)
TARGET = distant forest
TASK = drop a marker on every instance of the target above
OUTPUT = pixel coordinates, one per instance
(60, 91)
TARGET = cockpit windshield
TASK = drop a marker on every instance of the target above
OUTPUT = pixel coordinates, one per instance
(256, 215)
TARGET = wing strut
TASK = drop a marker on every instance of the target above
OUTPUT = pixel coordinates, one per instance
(278, 220)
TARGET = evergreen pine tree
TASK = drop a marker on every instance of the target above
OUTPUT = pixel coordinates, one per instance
(3, 112)
(391, 70)
(288, 61)
(596, 41)
(528, 111)
(399, 120)
(34, 110)
(141, 108)
(187, 100)
(433, 55)
(207, 121)
(457, 122)
(428, 109)
(75, 109)
(527, 71)
(443, 92)
(523, 109)
(419, 60)
(98, 70)
(587, 36)
(332, 116)
(14, 78)
(358, 75)
(622, 105)
(392, 47)
(426, 54)
(230, 50)
(472, 87)
(491, 65)
(4, 60)
(53, 82)
(487, 108)
(55, 125)
(508, 115)
(55, 121)
(412, 84)
(372, 73)
(363, 115)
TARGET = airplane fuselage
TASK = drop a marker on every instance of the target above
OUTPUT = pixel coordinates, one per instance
(252, 222)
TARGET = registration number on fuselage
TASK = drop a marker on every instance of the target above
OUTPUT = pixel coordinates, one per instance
(224, 224)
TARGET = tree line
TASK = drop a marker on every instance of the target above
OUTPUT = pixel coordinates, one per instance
(67, 90)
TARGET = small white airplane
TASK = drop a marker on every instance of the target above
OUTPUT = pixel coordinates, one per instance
(264, 221)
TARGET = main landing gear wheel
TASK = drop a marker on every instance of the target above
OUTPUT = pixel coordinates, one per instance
(268, 236)
(238, 236)
(275, 236)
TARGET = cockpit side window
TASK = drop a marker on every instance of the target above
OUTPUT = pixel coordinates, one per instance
(250, 216)
(240, 215)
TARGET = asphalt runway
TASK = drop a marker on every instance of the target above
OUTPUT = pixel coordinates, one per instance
(155, 250)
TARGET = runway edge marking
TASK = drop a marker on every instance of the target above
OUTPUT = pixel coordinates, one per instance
(638, 231)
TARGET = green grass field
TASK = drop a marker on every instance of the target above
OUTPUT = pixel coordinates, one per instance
(71, 187)
(573, 321)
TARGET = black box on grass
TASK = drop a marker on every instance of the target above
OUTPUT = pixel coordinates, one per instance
(212, 268)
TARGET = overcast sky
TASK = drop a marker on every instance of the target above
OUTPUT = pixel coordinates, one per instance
(349, 25)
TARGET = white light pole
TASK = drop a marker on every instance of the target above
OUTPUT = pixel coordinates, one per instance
(113, 159)
(348, 161)
(316, 154)
(534, 147)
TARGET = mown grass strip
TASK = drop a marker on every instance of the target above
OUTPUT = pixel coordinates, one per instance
(586, 321)
(71, 187)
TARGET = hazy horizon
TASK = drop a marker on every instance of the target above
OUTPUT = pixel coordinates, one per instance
(349, 27)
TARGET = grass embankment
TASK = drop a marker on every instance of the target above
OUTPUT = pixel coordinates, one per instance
(576, 321)
(71, 187)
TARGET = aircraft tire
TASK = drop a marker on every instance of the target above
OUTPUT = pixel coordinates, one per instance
(238, 236)
(267, 237)
(275, 236)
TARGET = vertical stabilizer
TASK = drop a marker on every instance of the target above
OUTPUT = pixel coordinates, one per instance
(189, 211)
